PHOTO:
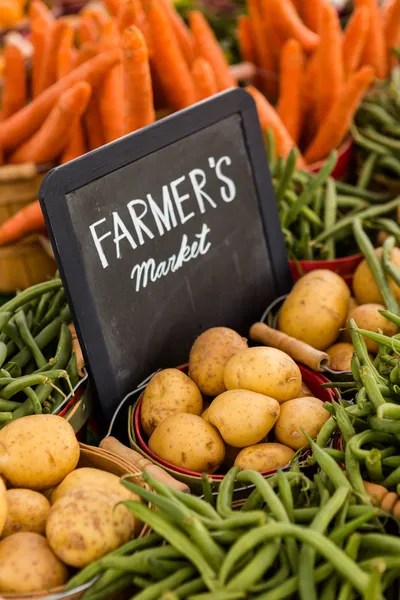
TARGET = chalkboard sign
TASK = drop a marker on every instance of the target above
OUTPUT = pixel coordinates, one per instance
(164, 233)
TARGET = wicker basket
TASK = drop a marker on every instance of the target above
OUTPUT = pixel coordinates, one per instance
(106, 461)
(19, 186)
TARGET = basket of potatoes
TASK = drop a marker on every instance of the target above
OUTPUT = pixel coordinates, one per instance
(58, 507)
(230, 405)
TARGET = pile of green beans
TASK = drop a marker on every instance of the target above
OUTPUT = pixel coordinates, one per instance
(292, 538)
(376, 134)
(37, 366)
(317, 212)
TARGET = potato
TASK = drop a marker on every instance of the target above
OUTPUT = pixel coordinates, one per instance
(3, 505)
(367, 316)
(204, 415)
(28, 564)
(308, 414)
(340, 356)
(243, 418)
(169, 392)
(365, 287)
(86, 524)
(189, 442)
(38, 451)
(209, 355)
(304, 391)
(264, 457)
(27, 511)
(264, 370)
(316, 309)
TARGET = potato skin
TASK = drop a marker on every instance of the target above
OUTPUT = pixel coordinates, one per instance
(308, 414)
(243, 418)
(316, 309)
(28, 564)
(189, 442)
(264, 457)
(38, 451)
(365, 287)
(27, 511)
(204, 415)
(3, 505)
(367, 317)
(169, 392)
(209, 355)
(264, 370)
(340, 356)
(86, 524)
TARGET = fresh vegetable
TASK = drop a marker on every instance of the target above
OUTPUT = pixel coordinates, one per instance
(14, 85)
(355, 38)
(297, 417)
(369, 316)
(26, 511)
(289, 107)
(365, 288)
(204, 79)
(340, 355)
(3, 505)
(264, 457)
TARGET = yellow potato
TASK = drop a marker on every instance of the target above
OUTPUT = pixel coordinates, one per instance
(3, 505)
(38, 451)
(306, 414)
(169, 392)
(264, 457)
(367, 316)
(340, 356)
(243, 418)
(86, 524)
(204, 415)
(27, 511)
(209, 355)
(316, 309)
(189, 442)
(264, 370)
(365, 287)
(28, 564)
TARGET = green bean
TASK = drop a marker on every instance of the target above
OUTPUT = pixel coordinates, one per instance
(219, 595)
(271, 147)
(54, 307)
(306, 515)
(373, 464)
(390, 268)
(5, 417)
(225, 493)
(374, 589)
(42, 306)
(285, 493)
(352, 548)
(384, 425)
(28, 339)
(290, 587)
(367, 249)
(391, 461)
(329, 591)
(29, 294)
(141, 582)
(196, 504)
(381, 543)
(255, 569)
(351, 202)
(288, 171)
(378, 114)
(393, 479)
(207, 491)
(254, 501)
(326, 432)
(391, 163)
(63, 352)
(278, 168)
(384, 140)
(354, 474)
(346, 188)
(344, 421)
(367, 169)
(156, 590)
(11, 330)
(371, 386)
(185, 590)
(328, 465)
(366, 143)
(19, 384)
(3, 353)
(368, 437)
(339, 534)
(280, 575)
(140, 561)
(110, 591)
(36, 405)
(337, 455)
(330, 215)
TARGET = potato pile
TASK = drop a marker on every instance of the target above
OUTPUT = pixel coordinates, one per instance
(53, 515)
(239, 405)
(319, 306)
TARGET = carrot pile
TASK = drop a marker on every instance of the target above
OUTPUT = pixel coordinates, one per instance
(313, 75)
(99, 76)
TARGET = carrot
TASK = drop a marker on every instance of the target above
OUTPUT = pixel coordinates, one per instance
(333, 130)
(14, 86)
(28, 219)
(171, 66)
(92, 124)
(127, 14)
(269, 119)
(138, 93)
(208, 47)
(309, 95)
(97, 13)
(354, 39)
(204, 79)
(48, 71)
(264, 58)
(76, 145)
(288, 22)
(182, 32)
(376, 492)
(25, 122)
(374, 52)
(51, 139)
(311, 13)
(246, 40)
(330, 70)
(289, 107)
(87, 30)
(40, 32)
(66, 52)
(85, 53)
(113, 6)
(392, 29)
(39, 10)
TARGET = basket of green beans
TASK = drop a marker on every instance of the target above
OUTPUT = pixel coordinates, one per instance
(293, 537)
(38, 367)
(376, 134)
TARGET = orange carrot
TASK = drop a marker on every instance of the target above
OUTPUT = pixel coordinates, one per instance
(113, 6)
(76, 145)
(310, 98)
(172, 68)
(87, 30)
(92, 124)
(27, 220)
(265, 60)
(288, 22)
(354, 39)
(269, 119)
(246, 40)
(40, 32)
(374, 53)
(39, 10)
(138, 92)
(330, 71)
(85, 53)
(97, 13)
(392, 29)
(182, 32)
(333, 130)
(25, 122)
(208, 47)
(14, 87)
(51, 139)
(289, 107)
(48, 71)
(127, 14)
(66, 52)
(311, 13)
(204, 79)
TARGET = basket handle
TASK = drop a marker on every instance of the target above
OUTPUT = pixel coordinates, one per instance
(24, 171)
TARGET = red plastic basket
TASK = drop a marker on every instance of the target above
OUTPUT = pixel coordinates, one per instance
(343, 165)
(344, 267)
